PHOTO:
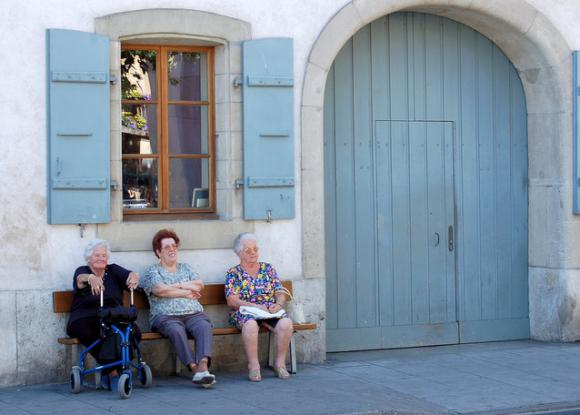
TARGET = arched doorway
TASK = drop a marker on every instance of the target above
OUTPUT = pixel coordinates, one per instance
(425, 188)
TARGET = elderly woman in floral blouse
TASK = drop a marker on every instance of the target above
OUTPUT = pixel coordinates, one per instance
(254, 283)
(174, 289)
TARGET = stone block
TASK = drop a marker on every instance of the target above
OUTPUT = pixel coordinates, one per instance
(339, 29)
(546, 224)
(314, 85)
(312, 134)
(313, 255)
(517, 14)
(237, 145)
(549, 40)
(235, 57)
(221, 59)
(222, 117)
(8, 339)
(570, 254)
(554, 310)
(548, 89)
(40, 358)
(370, 10)
(236, 116)
(221, 92)
(174, 21)
(223, 145)
(236, 91)
(223, 175)
(550, 146)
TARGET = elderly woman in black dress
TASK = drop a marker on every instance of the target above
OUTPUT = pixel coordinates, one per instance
(88, 282)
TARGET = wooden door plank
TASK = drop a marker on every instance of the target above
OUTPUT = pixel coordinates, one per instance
(345, 206)
(402, 288)
(419, 222)
(366, 280)
(470, 241)
(384, 203)
(519, 188)
(487, 190)
(503, 247)
(434, 74)
(330, 201)
(437, 226)
(398, 67)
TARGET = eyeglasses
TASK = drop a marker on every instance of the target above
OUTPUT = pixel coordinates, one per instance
(251, 250)
(169, 247)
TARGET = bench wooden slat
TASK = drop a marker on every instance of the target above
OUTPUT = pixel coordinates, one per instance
(220, 331)
(212, 294)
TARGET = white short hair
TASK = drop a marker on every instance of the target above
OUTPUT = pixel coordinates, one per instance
(94, 244)
(241, 238)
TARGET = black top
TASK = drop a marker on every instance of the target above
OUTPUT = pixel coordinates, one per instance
(85, 304)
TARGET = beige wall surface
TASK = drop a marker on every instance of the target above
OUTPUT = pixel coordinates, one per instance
(38, 258)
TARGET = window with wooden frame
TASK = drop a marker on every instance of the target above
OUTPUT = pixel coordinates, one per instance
(167, 128)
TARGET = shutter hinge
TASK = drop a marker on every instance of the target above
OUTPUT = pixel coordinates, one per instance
(114, 185)
(239, 183)
(113, 79)
(238, 82)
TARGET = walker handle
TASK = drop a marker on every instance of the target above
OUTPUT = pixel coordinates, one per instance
(131, 296)
(101, 298)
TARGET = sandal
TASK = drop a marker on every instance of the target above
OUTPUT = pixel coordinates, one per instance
(281, 373)
(254, 376)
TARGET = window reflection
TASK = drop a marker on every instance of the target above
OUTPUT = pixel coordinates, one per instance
(140, 189)
(187, 76)
(138, 75)
(188, 130)
(139, 129)
(189, 177)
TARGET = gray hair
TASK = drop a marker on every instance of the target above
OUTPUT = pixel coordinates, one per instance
(241, 238)
(94, 244)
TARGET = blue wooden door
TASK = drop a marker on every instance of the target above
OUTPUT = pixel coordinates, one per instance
(401, 85)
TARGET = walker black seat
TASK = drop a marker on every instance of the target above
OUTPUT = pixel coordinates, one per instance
(118, 314)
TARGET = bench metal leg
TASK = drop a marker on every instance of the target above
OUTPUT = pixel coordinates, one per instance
(177, 365)
(271, 349)
(272, 352)
(293, 364)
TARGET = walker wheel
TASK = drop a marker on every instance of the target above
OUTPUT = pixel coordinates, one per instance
(146, 376)
(125, 386)
(75, 379)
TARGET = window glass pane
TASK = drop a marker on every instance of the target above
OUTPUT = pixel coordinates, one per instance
(187, 76)
(138, 74)
(188, 129)
(139, 129)
(140, 190)
(188, 183)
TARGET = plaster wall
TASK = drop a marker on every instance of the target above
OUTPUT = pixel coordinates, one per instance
(38, 258)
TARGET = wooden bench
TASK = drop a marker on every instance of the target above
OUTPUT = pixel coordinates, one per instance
(213, 294)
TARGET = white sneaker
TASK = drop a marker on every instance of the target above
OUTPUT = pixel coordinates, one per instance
(204, 379)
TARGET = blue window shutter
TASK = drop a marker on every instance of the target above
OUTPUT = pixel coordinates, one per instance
(78, 127)
(268, 129)
(576, 130)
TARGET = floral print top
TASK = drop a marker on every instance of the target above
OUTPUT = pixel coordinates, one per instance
(259, 290)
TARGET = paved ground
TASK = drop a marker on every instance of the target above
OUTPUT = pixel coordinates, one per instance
(497, 378)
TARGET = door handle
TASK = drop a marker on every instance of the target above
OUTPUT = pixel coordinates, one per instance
(435, 239)
(450, 243)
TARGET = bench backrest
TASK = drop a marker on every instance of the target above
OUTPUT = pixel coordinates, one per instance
(212, 294)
